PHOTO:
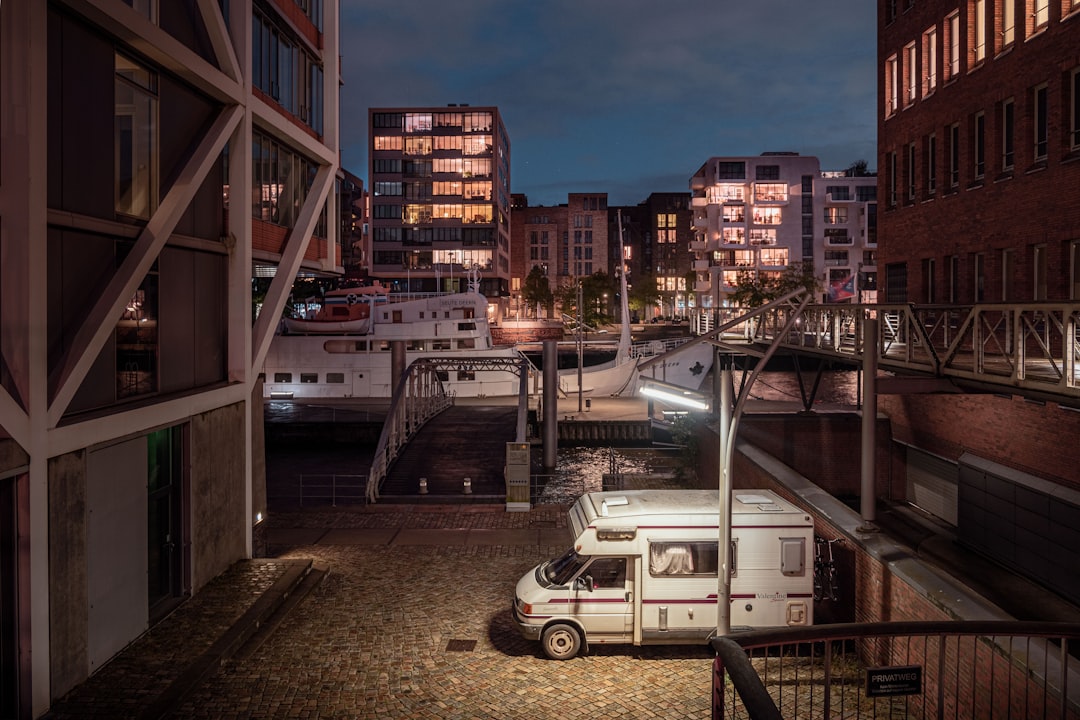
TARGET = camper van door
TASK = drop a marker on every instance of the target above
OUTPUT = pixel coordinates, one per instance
(603, 599)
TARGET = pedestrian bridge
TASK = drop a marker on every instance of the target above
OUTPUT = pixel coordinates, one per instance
(1028, 349)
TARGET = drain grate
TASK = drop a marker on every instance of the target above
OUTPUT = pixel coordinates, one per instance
(461, 646)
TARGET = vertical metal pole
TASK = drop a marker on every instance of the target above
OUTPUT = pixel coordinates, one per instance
(869, 418)
(551, 404)
(580, 343)
(723, 589)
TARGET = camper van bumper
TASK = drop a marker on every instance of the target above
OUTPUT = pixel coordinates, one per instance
(528, 630)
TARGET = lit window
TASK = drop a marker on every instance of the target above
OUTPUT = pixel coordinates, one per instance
(767, 216)
(734, 213)
(136, 129)
(952, 45)
(770, 192)
(978, 49)
(910, 75)
(930, 38)
(836, 215)
(1038, 15)
(1005, 16)
(762, 236)
(892, 86)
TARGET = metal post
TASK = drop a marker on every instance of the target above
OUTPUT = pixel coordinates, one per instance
(551, 404)
(580, 343)
(726, 432)
(869, 417)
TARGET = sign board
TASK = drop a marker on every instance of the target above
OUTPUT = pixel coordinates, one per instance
(896, 680)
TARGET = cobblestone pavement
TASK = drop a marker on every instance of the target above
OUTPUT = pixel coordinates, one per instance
(412, 621)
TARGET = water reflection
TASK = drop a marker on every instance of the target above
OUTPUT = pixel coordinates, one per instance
(579, 470)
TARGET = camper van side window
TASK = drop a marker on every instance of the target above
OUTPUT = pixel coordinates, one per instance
(682, 559)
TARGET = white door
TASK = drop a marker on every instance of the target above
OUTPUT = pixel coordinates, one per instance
(602, 596)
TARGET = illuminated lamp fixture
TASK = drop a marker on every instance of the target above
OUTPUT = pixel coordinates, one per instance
(674, 394)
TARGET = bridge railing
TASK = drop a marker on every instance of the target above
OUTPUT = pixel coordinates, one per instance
(1034, 346)
(419, 396)
(991, 669)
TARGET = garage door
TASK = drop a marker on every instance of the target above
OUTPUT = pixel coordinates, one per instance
(932, 483)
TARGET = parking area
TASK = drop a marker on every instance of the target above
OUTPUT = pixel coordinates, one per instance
(424, 631)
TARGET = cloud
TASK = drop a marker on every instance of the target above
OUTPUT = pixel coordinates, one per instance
(622, 93)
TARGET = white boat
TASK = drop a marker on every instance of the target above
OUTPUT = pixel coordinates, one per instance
(342, 365)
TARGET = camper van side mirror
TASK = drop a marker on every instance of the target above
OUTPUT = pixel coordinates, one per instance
(585, 582)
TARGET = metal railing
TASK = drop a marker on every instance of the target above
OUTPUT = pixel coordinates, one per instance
(421, 395)
(323, 488)
(1030, 346)
(974, 669)
(418, 397)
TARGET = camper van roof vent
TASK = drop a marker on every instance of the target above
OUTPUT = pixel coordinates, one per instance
(612, 502)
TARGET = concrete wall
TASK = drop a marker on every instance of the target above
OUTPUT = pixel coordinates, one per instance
(68, 600)
(219, 522)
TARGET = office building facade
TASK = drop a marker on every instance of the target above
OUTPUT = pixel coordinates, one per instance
(439, 180)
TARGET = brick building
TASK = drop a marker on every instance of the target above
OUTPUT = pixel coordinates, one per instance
(979, 146)
(568, 242)
(979, 162)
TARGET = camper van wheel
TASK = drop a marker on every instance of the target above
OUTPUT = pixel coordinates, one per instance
(561, 642)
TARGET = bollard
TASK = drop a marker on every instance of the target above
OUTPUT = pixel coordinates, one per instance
(423, 486)
(467, 486)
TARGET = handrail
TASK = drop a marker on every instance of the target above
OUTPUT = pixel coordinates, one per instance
(407, 414)
(1032, 347)
(420, 396)
(1051, 673)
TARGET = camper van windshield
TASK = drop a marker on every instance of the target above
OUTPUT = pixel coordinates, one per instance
(561, 570)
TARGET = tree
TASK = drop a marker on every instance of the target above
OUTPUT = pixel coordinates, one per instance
(643, 294)
(754, 290)
(858, 169)
(536, 290)
(594, 288)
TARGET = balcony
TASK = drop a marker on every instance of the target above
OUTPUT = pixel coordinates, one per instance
(699, 202)
(701, 222)
(702, 286)
(698, 246)
(700, 265)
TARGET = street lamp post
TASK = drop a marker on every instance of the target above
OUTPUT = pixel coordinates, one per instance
(729, 415)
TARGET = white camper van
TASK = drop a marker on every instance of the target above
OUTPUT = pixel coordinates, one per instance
(643, 570)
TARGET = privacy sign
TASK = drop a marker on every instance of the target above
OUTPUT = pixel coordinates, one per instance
(898, 680)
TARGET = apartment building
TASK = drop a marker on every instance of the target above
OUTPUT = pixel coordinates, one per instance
(439, 179)
(979, 161)
(763, 214)
(979, 141)
(130, 403)
(568, 242)
(656, 248)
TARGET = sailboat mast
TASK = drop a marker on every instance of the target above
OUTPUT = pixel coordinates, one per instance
(624, 333)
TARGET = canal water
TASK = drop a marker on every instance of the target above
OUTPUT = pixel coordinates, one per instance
(578, 469)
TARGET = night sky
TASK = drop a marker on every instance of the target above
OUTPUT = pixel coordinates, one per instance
(627, 97)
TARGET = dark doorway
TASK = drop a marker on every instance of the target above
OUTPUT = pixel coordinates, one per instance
(9, 597)
(166, 531)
